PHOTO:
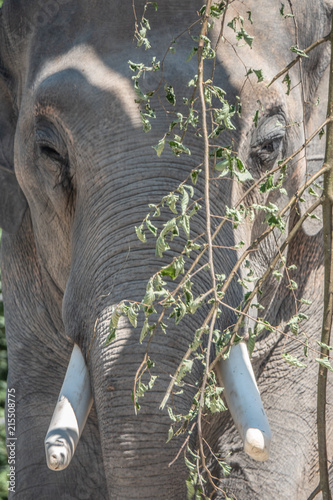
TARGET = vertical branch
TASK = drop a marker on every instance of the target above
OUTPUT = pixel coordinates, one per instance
(328, 293)
(206, 141)
(208, 226)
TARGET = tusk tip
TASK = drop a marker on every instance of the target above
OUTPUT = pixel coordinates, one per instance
(256, 444)
(57, 456)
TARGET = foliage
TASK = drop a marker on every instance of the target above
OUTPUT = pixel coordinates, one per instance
(170, 292)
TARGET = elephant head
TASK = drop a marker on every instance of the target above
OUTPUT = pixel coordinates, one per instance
(77, 172)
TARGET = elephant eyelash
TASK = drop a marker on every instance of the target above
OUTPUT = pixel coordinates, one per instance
(64, 179)
(65, 182)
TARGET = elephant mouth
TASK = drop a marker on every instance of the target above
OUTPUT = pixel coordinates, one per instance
(235, 375)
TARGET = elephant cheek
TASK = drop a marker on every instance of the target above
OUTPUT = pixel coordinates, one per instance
(70, 414)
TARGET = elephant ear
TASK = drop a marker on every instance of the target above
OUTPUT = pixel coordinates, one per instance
(12, 200)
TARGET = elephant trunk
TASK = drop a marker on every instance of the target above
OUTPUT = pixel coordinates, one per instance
(75, 401)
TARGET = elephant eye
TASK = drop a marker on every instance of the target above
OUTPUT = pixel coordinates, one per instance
(49, 142)
(269, 149)
(53, 152)
(50, 152)
(267, 140)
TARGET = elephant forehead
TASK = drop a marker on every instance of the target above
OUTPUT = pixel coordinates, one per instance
(84, 60)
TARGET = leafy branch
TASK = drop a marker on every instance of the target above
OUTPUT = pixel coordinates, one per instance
(171, 288)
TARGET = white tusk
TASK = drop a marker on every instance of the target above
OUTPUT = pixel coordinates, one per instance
(70, 414)
(244, 402)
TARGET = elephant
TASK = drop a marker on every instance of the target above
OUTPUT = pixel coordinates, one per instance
(69, 252)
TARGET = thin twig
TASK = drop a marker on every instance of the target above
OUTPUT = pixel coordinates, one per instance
(219, 38)
(315, 492)
(208, 232)
(264, 277)
(295, 61)
(328, 294)
(274, 170)
(183, 445)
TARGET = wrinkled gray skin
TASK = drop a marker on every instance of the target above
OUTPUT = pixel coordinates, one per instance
(71, 129)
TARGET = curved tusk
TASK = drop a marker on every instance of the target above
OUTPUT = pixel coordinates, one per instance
(70, 414)
(244, 402)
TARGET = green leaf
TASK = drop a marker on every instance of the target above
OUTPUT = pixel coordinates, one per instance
(151, 227)
(170, 94)
(293, 285)
(242, 34)
(259, 75)
(267, 185)
(157, 212)
(255, 118)
(325, 346)
(195, 305)
(195, 175)
(277, 274)
(144, 330)
(292, 360)
(184, 222)
(161, 246)
(288, 82)
(132, 316)
(149, 296)
(116, 315)
(178, 148)
(313, 192)
(298, 51)
(190, 188)
(191, 54)
(140, 234)
(282, 12)
(170, 434)
(306, 301)
(112, 335)
(325, 362)
(185, 368)
(243, 176)
(171, 200)
(249, 13)
(293, 324)
(251, 342)
(145, 122)
(184, 201)
(223, 167)
(141, 96)
(226, 469)
(174, 269)
(159, 146)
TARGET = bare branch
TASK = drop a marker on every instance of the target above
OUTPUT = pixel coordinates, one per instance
(328, 295)
(295, 61)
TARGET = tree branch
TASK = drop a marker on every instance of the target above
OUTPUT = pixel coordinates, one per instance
(295, 61)
(328, 294)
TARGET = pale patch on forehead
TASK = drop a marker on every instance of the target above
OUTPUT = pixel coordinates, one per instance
(88, 63)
